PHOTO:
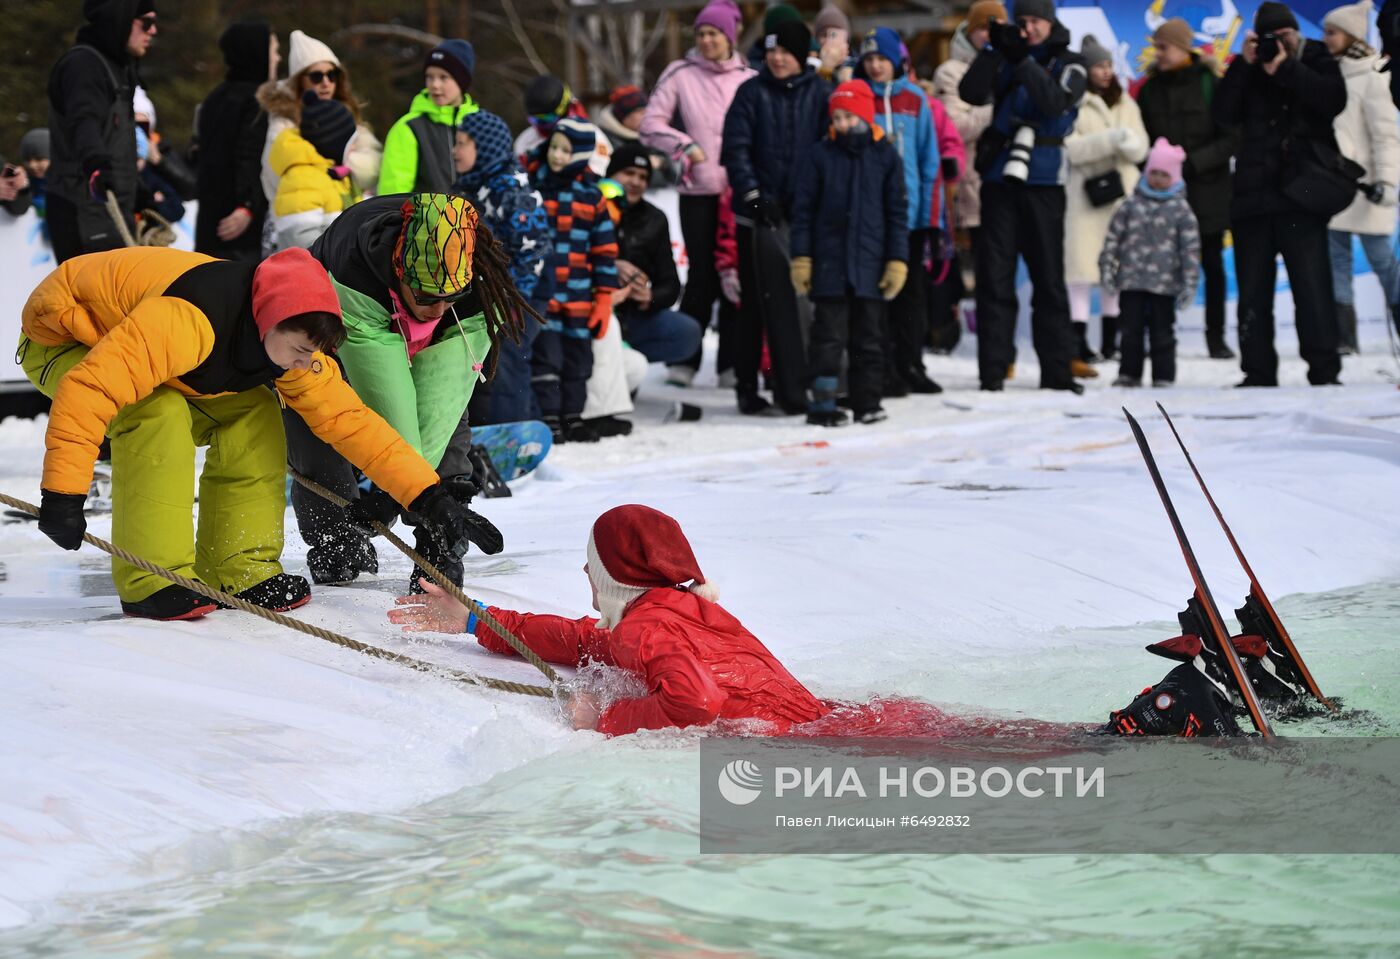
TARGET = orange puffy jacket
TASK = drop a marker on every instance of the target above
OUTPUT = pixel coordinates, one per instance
(153, 316)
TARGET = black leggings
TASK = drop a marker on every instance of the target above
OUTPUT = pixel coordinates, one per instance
(700, 228)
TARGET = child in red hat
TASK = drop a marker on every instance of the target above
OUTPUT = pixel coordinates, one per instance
(850, 246)
(699, 663)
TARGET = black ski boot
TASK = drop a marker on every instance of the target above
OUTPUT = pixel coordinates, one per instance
(278, 593)
(169, 604)
(1185, 703)
(341, 560)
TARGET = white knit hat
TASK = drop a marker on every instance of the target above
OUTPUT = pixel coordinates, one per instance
(306, 51)
(1353, 19)
(141, 103)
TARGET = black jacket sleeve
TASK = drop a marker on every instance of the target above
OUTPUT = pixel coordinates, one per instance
(19, 206)
(979, 82)
(1316, 84)
(247, 169)
(737, 146)
(82, 92)
(665, 281)
(1229, 94)
(1052, 96)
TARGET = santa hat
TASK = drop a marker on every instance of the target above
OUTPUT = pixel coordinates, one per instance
(633, 549)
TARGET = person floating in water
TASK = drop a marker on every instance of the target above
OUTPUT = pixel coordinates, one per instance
(660, 620)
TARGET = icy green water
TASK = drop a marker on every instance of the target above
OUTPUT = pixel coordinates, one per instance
(594, 853)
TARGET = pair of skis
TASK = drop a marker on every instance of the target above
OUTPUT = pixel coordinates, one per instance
(1261, 661)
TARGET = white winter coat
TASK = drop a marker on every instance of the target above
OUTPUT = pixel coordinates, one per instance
(1093, 149)
(1367, 133)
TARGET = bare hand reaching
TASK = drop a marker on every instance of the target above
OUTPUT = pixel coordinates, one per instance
(431, 612)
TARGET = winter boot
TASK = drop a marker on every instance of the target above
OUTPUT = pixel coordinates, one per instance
(752, 404)
(1082, 347)
(279, 593)
(1216, 348)
(877, 415)
(920, 382)
(1071, 387)
(894, 386)
(821, 408)
(428, 546)
(1127, 382)
(579, 430)
(171, 603)
(341, 560)
(485, 475)
(1108, 347)
(1346, 330)
(612, 425)
(556, 427)
(1081, 370)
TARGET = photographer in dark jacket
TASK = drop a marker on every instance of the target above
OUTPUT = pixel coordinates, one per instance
(1388, 23)
(1176, 104)
(92, 127)
(232, 129)
(1036, 83)
(646, 267)
(774, 119)
(1282, 93)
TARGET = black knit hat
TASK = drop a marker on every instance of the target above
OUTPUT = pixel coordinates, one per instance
(793, 36)
(631, 156)
(546, 94)
(1273, 16)
(327, 125)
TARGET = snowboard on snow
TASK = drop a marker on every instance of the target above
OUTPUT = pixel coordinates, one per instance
(515, 449)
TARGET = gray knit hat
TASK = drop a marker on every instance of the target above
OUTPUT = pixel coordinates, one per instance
(34, 145)
(1094, 52)
(1044, 9)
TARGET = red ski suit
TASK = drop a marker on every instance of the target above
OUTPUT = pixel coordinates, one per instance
(699, 663)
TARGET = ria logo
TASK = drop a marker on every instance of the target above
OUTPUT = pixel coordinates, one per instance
(740, 782)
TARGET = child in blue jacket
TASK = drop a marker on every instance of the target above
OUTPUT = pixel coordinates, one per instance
(850, 247)
(490, 176)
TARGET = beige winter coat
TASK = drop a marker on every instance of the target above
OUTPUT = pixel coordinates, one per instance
(1103, 139)
(363, 154)
(1367, 133)
(971, 122)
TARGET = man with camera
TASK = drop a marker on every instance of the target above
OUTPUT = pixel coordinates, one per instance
(1036, 84)
(1282, 93)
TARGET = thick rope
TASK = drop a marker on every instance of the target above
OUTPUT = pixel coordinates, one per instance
(446, 672)
(452, 589)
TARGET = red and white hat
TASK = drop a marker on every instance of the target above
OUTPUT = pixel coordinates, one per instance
(633, 549)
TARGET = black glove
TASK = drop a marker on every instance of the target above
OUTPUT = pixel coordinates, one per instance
(61, 518)
(100, 180)
(762, 210)
(376, 506)
(454, 524)
(462, 487)
(1007, 40)
(950, 169)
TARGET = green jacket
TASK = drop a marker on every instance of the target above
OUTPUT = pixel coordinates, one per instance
(418, 149)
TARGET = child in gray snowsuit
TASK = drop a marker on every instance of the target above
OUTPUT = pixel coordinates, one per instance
(1152, 257)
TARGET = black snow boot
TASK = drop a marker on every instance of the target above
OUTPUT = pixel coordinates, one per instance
(343, 559)
(752, 404)
(556, 427)
(171, 603)
(827, 417)
(579, 430)
(432, 549)
(606, 426)
(921, 382)
(1108, 345)
(877, 415)
(278, 593)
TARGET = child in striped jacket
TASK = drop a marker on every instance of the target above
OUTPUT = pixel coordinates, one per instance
(580, 277)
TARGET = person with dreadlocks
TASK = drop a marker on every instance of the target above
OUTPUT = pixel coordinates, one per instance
(427, 298)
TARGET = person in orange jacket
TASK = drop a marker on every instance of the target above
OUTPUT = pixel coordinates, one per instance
(162, 351)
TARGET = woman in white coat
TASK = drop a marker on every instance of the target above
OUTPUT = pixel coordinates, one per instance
(1367, 133)
(1107, 144)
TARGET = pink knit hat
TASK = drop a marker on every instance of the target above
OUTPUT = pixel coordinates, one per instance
(1166, 157)
(723, 15)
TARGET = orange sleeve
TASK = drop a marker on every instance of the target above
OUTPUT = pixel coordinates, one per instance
(157, 341)
(335, 413)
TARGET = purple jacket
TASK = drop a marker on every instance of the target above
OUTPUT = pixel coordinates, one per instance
(694, 93)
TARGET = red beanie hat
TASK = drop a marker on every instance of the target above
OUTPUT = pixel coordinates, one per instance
(854, 96)
(287, 284)
(633, 549)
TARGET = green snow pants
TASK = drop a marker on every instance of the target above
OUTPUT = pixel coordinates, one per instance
(241, 490)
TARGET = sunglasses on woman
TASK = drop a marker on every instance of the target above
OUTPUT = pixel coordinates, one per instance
(321, 76)
(427, 299)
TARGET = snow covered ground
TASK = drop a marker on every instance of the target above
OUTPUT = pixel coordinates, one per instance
(941, 554)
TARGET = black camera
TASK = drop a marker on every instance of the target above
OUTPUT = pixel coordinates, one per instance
(1268, 47)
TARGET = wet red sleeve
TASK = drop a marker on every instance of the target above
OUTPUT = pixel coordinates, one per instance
(553, 638)
(683, 693)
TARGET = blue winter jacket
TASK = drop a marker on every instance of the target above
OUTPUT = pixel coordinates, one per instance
(902, 111)
(770, 124)
(1043, 91)
(514, 210)
(849, 213)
